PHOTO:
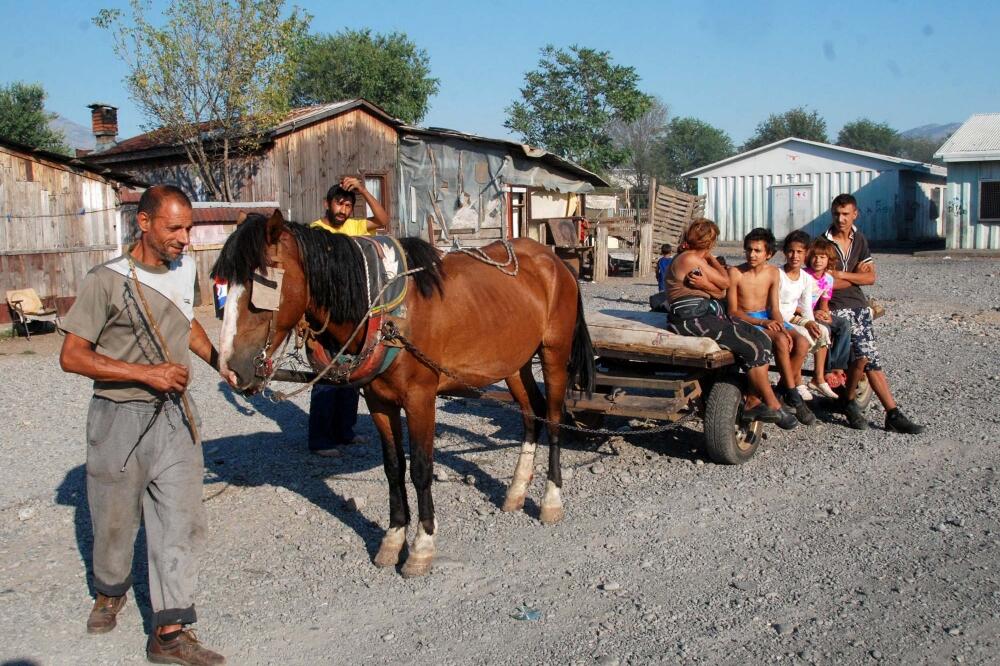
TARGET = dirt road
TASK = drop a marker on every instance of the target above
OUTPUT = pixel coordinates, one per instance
(830, 546)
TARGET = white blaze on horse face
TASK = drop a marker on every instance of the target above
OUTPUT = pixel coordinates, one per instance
(230, 315)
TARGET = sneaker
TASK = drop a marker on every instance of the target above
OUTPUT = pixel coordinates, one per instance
(104, 615)
(855, 416)
(185, 649)
(804, 392)
(823, 389)
(896, 421)
(787, 420)
(802, 412)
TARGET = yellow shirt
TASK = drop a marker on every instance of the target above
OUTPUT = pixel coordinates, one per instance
(352, 226)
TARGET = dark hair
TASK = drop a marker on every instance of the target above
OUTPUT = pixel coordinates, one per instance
(666, 248)
(701, 235)
(338, 192)
(761, 234)
(153, 198)
(842, 200)
(797, 236)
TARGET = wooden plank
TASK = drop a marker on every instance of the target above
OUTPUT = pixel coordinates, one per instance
(636, 406)
(666, 356)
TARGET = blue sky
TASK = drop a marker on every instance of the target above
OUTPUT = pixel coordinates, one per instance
(905, 62)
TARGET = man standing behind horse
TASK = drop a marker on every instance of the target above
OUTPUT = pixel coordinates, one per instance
(130, 331)
(333, 410)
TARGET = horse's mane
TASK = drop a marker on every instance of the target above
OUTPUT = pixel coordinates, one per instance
(332, 264)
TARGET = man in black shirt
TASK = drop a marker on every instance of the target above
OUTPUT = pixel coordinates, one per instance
(856, 268)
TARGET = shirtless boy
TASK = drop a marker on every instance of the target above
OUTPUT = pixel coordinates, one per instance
(753, 298)
(695, 279)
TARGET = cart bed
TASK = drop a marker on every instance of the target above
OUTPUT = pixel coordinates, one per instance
(638, 335)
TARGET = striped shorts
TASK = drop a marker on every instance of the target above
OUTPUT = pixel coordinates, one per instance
(704, 318)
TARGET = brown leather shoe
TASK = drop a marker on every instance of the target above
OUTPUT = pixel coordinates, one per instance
(104, 613)
(185, 649)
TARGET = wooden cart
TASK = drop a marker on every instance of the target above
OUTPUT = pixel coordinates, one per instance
(645, 371)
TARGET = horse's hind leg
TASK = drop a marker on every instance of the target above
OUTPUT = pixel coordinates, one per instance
(390, 430)
(554, 363)
(525, 392)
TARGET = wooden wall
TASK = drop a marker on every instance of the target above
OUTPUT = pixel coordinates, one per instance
(308, 161)
(45, 241)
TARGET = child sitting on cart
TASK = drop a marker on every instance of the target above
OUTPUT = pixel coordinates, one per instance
(822, 255)
(753, 298)
(796, 294)
(695, 280)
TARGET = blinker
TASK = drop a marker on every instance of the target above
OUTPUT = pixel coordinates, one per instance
(265, 293)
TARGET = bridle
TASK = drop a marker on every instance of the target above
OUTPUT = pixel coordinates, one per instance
(265, 294)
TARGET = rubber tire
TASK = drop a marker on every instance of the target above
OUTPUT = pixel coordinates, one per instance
(723, 441)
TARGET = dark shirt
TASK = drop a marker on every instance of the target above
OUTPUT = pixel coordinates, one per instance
(857, 254)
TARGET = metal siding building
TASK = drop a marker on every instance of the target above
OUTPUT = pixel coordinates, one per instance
(973, 157)
(789, 185)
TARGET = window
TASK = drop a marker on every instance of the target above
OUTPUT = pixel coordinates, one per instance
(376, 186)
(989, 201)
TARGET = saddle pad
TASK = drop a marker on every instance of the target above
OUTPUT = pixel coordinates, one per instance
(646, 331)
(385, 259)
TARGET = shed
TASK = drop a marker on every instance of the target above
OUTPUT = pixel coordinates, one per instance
(972, 202)
(789, 184)
(58, 219)
(481, 188)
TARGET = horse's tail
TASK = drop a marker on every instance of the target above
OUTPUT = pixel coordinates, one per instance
(582, 370)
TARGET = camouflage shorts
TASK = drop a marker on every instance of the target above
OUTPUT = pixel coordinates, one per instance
(862, 336)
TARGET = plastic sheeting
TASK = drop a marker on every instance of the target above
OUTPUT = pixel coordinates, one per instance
(460, 184)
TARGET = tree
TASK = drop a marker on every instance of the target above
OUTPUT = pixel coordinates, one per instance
(689, 143)
(639, 138)
(920, 148)
(798, 122)
(865, 134)
(213, 79)
(23, 118)
(569, 102)
(389, 70)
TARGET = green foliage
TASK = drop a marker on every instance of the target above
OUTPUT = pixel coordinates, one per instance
(798, 122)
(920, 149)
(570, 101)
(690, 143)
(214, 78)
(865, 134)
(389, 70)
(23, 118)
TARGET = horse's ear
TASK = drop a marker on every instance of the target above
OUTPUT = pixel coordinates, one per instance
(275, 225)
(241, 218)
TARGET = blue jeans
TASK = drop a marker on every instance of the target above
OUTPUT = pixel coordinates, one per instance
(333, 411)
(840, 344)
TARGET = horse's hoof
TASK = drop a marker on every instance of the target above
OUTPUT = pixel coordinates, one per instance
(417, 565)
(513, 504)
(551, 515)
(387, 557)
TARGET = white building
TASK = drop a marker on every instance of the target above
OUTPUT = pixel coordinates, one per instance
(789, 185)
(972, 203)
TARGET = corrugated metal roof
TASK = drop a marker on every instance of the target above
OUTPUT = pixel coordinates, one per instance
(978, 139)
(908, 164)
(529, 151)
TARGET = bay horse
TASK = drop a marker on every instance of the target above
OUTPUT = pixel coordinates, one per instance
(465, 316)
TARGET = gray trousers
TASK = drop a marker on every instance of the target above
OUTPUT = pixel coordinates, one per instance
(161, 484)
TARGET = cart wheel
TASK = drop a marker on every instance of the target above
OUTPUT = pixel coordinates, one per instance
(864, 395)
(727, 439)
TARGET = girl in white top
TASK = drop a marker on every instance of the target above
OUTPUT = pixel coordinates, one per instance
(796, 294)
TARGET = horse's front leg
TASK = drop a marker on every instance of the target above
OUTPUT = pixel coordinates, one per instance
(420, 419)
(390, 430)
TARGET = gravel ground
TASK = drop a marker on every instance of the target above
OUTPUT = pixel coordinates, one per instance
(830, 546)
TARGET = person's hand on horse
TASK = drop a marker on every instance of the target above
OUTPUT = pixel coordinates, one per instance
(167, 377)
(230, 378)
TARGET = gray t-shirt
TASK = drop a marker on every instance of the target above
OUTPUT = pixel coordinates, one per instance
(109, 313)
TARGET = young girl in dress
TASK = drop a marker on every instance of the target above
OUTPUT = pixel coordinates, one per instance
(821, 256)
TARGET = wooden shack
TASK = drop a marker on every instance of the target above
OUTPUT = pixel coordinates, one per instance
(310, 150)
(58, 219)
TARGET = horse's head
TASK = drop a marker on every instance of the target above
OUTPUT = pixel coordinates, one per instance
(267, 296)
